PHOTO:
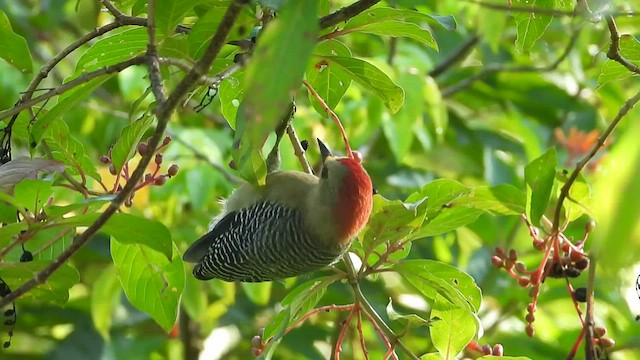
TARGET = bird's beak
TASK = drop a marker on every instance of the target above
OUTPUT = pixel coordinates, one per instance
(324, 150)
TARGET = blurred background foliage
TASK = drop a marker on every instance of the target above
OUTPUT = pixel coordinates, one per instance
(478, 119)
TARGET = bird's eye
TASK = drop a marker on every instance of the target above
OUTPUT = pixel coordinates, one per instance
(325, 172)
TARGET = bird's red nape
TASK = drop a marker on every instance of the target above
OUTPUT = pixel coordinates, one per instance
(355, 200)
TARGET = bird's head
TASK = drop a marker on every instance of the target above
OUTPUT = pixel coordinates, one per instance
(347, 181)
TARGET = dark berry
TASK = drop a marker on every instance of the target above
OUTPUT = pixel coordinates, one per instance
(524, 282)
(158, 159)
(580, 294)
(143, 148)
(166, 140)
(173, 170)
(582, 264)
(497, 262)
(530, 330)
(498, 350)
(160, 180)
(105, 159)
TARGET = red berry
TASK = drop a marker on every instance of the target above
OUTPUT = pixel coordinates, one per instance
(256, 341)
(530, 318)
(128, 203)
(112, 169)
(530, 330)
(166, 140)
(513, 255)
(173, 170)
(500, 252)
(524, 282)
(486, 349)
(576, 256)
(599, 331)
(565, 246)
(520, 267)
(158, 159)
(105, 159)
(160, 180)
(498, 350)
(497, 262)
(143, 148)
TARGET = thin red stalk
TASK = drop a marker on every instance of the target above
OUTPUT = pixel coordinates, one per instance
(333, 116)
(343, 332)
(382, 335)
(363, 345)
(319, 310)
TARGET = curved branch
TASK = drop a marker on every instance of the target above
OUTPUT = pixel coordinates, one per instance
(346, 13)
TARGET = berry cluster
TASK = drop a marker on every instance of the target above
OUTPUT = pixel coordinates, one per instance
(151, 178)
(486, 349)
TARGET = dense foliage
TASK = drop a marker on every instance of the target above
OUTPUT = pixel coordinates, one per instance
(497, 133)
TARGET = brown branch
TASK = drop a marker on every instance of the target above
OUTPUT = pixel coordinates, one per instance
(346, 13)
(459, 54)
(614, 49)
(564, 191)
(83, 78)
(298, 150)
(152, 56)
(490, 69)
(163, 115)
(112, 9)
(589, 342)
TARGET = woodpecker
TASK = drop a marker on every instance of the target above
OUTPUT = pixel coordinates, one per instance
(294, 224)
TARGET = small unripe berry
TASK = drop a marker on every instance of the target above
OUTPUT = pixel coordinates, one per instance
(524, 282)
(513, 255)
(530, 330)
(256, 341)
(158, 159)
(160, 180)
(520, 267)
(166, 140)
(128, 203)
(105, 159)
(173, 170)
(486, 349)
(498, 350)
(607, 342)
(538, 244)
(112, 170)
(599, 331)
(500, 252)
(497, 262)
(148, 177)
(143, 148)
(589, 226)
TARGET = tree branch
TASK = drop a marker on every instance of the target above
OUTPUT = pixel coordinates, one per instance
(163, 115)
(456, 56)
(346, 13)
(614, 48)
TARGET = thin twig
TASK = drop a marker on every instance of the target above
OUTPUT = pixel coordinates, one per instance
(152, 56)
(83, 78)
(459, 54)
(343, 332)
(589, 342)
(346, 13)
(564, 191)
(614, 47)
(298, 150)
(363, 345)
(112, 9)
(490, 69)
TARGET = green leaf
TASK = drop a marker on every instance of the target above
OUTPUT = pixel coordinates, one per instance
(433, 278)
(435, 108)
(386, 14)
(575, 204)
(409, 320)
(232, 91)
(330, 82)
(613, 70)
(453, 330)
(258, 293)
(105, 297)
(70, 100)
(400, 29)
(371, 78)
(113, 49)
(151, 282)
(531, 26)
(503, 199)
(399, 128)
(55, 290)
(127, 144)
(284, 48)
(169, 13)
(130, 229)
(539, 176)
(203, 30)
(392, 220)
(68, 150)
(33, 194)
(13, 47)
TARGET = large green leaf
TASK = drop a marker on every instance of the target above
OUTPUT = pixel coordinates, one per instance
(531, 26)
(169, 13)
(371, 78)
(126, 145)
(330, 82)
(33, 194)
(13, 47)
(433, 278)
(151, 282)
(55, 290)
(539, 176)
(130, 229)
(284, 48)
(105, 297)
(453, 329)
(399, 128)
(113, 49)
(203, 30)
